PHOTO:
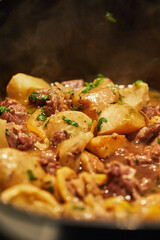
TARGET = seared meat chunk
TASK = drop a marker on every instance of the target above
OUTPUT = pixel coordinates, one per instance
(152, 111)
(19, 137)
(49, 161)
(147, 133)
(59, 137)
(16, 112)
(137, 159)
(75, 84)
(121, 180)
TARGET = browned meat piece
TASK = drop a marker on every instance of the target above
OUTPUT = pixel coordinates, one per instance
(19, 137)
(152, 111)
(74, 84)
(121, 180)
(147, 133)
(49, 161)
(17, 113)
(55, 99)
(137, 159)
(39, 97)
(59, 137)
(153, 150)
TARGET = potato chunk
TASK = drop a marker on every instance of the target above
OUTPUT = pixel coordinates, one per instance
(19, 167)
(93, 101)
(104, 146)
(73, 122)
(3, 133)
(121, 119)
(137, 96)
(70, 150)
(22, 85)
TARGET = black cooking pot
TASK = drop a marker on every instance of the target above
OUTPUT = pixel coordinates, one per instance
(67, 39)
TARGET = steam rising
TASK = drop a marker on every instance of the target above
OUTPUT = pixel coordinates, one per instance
(67, 39)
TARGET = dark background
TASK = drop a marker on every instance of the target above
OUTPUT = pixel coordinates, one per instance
(66, 39)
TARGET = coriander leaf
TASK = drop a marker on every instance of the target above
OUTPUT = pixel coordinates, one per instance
(90, 123)
(109, 17)
(120, 98)
(6, 132)
(42, 117)
(70, 122)
(138, 82)
(44, 97)
(46, 124)
(34, 96)
(51, 189)
(78, 208)
(158, 140)
(4, 109)
(99, 111)
(31, 175)
(100, 121)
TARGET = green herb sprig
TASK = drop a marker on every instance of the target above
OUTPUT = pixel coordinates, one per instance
(100, 121)
(70, 122)
(4, 109)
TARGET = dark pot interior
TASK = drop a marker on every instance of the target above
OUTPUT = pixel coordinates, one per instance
(66, 39)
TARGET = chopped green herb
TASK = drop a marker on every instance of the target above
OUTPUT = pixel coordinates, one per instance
(113, 88)
(90, 86)
(78, 208)
(30, 111)
(99, 111)
(158, 140)
(44, 97)
(74, 108)
(113, 103)
(31, 175)
(100, 121)
(46, 124)
(136, 161)
(50, 189)
(3, 109)
(34, 96)
(120, 98)
(42, 117)
(7, 133)
(71, 92)
(27, 133)
(138, 82)
(70, 122)
(48, 182)
(90, 123)
(109, 17)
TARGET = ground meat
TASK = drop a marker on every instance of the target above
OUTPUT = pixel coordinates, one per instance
(17, 113)
(147, 133)
(19, 137)
(53, 99)
(152, 111)
(39, 97)
(74, 84)
(59, 137)
(49, 161)
(137, 159)
(121, 180)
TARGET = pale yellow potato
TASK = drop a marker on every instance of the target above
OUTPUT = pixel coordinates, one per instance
(136, 96)
(14, 166)
(70, 150)
(3, 132)
(22, 85)
(97, 98)
(91, 163)
(121, 119)
(31, 198)
(105, 146)
(56, 123)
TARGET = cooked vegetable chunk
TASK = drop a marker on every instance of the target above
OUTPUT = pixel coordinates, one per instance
(136, 96)
(104, 146)
(3, 133)
(19, 167)
(22, 85)
(93, 98)
(121, 119)
(70, 150)
(73, 122)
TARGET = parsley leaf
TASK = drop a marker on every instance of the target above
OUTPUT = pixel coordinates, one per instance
(70, 122)
(4, 109)
(42, 117)
(109, 17)
(31, 175)
(100, 121)
(138, 82)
